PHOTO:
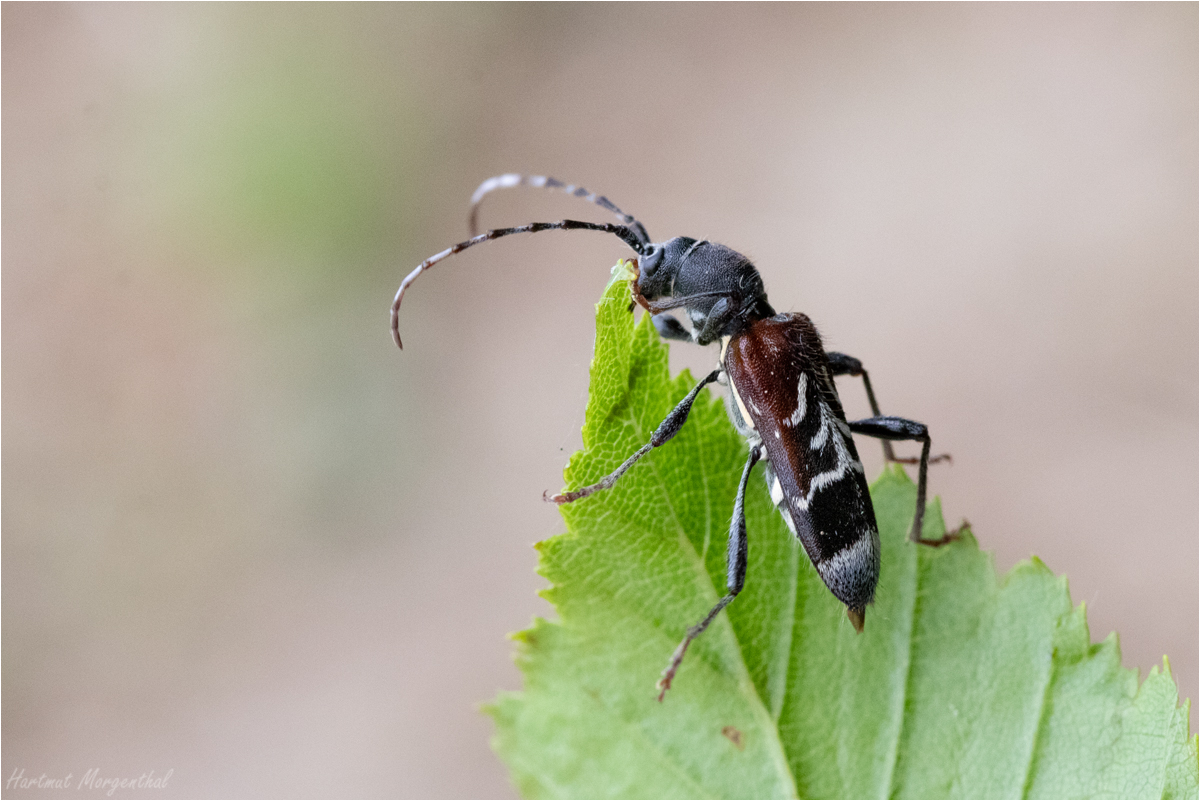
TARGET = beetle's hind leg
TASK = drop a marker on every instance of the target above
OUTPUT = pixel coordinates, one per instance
(735, 573)
(667, 429)
(897, 428)
(841, 364)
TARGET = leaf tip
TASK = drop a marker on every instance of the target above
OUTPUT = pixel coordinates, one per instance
(1166, 666)
(622, 270)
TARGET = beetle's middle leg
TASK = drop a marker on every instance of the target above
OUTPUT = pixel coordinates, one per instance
(667, 429)
(841, 364)
(735, 572)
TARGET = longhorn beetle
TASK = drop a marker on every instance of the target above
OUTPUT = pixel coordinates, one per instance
(781, 398)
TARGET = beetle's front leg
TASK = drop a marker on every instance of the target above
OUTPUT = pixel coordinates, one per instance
(667, 429)
(670, 328)
(715, 321)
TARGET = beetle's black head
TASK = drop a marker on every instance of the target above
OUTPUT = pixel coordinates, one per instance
(719, 287)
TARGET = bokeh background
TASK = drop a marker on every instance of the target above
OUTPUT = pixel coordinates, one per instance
(247, 540)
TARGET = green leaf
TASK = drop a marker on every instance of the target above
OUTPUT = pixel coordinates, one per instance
(963, 684)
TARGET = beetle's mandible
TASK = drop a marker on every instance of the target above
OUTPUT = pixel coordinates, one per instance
(781, 398)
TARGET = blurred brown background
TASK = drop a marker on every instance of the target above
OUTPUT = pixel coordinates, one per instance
(247, 540)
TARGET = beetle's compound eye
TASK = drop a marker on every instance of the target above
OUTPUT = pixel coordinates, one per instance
(649, 263)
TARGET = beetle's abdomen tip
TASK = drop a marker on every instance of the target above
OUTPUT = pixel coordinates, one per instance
(852, 573)
(857, 617)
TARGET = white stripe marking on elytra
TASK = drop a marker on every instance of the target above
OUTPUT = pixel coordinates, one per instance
(822, 436)
(742, 407)
(844, 462)
(801, 402)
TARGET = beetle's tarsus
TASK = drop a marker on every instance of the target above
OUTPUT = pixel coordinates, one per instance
(948, 537)
(941, 457)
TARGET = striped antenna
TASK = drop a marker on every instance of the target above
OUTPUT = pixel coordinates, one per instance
(627, 235)
(513, 179)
